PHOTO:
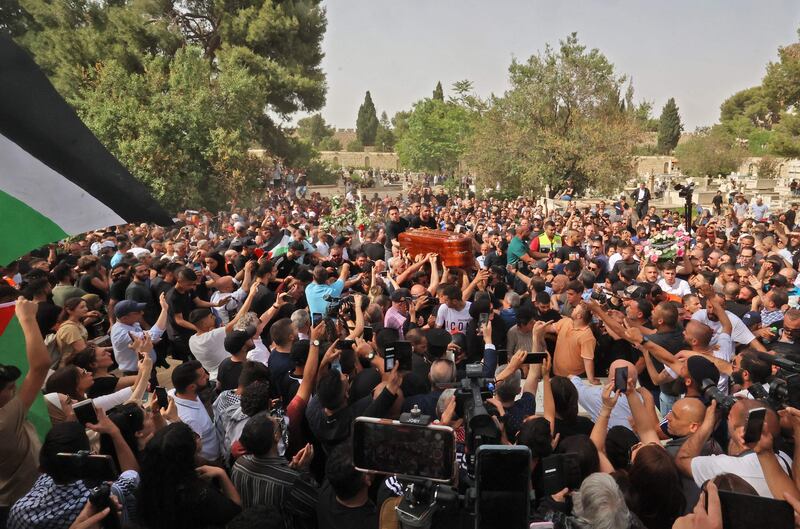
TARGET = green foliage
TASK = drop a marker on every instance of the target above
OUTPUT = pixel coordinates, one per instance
(367, 122)
(330, 144)
(436, 135)
(669, 127)
(562, 119)
(180, 92)
(400, 124)
(710, 153)
(320, 173)
(313, 129)
(355, 146)
(785, 140)
(438, 93)
(384, 138)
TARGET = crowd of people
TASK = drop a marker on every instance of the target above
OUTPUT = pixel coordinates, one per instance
(207, 374)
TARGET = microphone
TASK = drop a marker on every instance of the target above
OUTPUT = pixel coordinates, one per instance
(780, 361)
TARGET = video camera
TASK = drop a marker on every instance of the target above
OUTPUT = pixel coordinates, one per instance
(784, 389)
(339, 306)
(480, 428)
(684, 190)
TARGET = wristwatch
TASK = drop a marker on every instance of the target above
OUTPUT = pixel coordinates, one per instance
(645, 339)
(315, 343)
(371, 356)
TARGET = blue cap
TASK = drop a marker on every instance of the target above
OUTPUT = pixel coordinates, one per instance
(126, 306)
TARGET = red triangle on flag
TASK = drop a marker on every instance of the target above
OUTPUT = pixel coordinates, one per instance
(6, 315)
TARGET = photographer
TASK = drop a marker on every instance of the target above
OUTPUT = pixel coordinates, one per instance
(58, 496)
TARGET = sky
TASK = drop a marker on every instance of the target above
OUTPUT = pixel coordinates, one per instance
(697, 51)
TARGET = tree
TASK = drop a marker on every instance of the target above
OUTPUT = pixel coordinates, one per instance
(435, 140)
(561, 120)
(400, 124)
(384, 138)
(438, 93)
(710, 153)
(330, 144)
(785, 139)
(367, 122)
(355, 146)
(262, 64)
(313, 129)
(669, 127)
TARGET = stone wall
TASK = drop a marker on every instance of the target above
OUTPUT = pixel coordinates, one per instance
(647, 166)
(387, 161)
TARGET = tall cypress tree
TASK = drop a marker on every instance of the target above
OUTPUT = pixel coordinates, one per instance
(669, 127)
(438, 93)
(367, 122)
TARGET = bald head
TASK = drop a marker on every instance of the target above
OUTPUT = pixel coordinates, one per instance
(616, 364)
(224, 284)
(442, 372)
(731, 290)
(737, 419)
(698, 334)
(685, 417)
(417, 290)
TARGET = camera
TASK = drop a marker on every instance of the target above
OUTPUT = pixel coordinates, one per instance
(339, 306)
(480, 428)
(711, 391)
(684, 190)
(100, 498)
(784, 389)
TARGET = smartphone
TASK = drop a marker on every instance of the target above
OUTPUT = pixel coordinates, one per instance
(85, 412)
(368, 333)
(754, 425)
(344, 344)
(383, 446)
(503, 483)
(561, 471)
(90, 467)
(743, 511)
(535, 358)
(316, 317)
(161, 395)
(401, 351)
(502, 357)
(388, 360)
(483, 319)
(621, 379)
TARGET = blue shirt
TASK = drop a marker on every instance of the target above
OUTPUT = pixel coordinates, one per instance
(315, 292)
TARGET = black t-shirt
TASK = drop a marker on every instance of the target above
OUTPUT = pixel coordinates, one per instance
(333, 515)
(740, 309)
(85, 284)
(417, 222)
(550, 315)
(567, 253)
(673, 342)
(228, 374)
(263, 299)
(621, 265)
(141, 292)
(285, 267)
(493, 259)
(117, 290)
(179, 304)
(393, 229)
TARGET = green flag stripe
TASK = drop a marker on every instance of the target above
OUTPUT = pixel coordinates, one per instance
(23, 228)
(12, 351)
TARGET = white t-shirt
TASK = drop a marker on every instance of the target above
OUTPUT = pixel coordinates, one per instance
(453, 320)
(209, 349)
(740, 334)
(747, 467)
(260, 353)
(680, 288)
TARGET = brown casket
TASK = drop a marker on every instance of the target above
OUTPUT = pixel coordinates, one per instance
(455, 249)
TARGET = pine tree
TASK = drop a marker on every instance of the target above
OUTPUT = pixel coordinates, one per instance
(438, 93)
(669, 127)
(367, 122)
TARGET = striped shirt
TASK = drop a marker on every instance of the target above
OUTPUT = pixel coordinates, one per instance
(269, 481)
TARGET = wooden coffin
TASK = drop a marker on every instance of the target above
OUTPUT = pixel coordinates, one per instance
(455, 249)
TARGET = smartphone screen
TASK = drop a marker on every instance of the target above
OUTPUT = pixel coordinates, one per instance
(415, 451)
(367, 333)
(84, 412)
(561, 471)
(402, 354)
(161, 395)
(743, 511)
(755, 423)
(535, 358)
(315, 319)
(621, 379)
(388, 360)
(483, 319)
(503, 482)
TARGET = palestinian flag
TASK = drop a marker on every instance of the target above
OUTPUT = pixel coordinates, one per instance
(12, 352)
(56, 178)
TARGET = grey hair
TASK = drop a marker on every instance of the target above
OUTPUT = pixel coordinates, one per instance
(510, 386)
(300, 318)
(444, 398)
(247, 320)
(512, 298)
(600, 503)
